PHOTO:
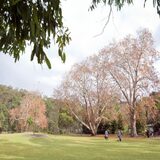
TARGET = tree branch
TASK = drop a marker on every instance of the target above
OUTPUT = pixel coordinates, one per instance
(108, 18)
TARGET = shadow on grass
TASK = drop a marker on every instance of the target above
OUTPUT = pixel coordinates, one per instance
(36, 135)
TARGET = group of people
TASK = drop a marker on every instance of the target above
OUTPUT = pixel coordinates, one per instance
(119, 135)
(149, 132)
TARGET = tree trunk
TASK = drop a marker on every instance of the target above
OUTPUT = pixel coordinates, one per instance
(133, 123)
(93, 130)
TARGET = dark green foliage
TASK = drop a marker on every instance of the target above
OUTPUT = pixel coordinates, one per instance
(157, 102)
(52, 113)
(4, 117)
(85, 130)
(102, 127)
(66, 122)
(156, 128)
(157, 122)
(9, 98)
(120, 3)
(35, 22)
(120, 122)
(113, 126)
(156, 97)
(59, 119)
(30, 121)
(140, 127)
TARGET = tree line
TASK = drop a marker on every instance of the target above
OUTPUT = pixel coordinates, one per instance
(117, 88)
(21, 111)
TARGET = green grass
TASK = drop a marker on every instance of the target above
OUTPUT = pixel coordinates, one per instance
(50, 147)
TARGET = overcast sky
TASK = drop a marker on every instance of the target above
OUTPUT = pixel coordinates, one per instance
(83, 25)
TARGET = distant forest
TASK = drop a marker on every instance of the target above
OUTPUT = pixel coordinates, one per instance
(21, 111)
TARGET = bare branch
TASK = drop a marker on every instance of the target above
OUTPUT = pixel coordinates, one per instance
(108, 19)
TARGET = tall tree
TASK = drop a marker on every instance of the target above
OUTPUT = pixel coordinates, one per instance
(87, 93)
(131, 67)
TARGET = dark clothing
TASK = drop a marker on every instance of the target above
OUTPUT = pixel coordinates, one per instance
(148, 133)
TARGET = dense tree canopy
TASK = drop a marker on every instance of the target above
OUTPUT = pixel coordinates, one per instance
(52, 113)
(30, 113)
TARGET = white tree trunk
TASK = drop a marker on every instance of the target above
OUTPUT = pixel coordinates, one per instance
(133, 123)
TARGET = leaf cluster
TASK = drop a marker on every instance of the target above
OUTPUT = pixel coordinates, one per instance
(36, 22)
(120, 3)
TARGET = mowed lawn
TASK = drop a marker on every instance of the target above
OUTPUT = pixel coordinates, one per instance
(50, 147)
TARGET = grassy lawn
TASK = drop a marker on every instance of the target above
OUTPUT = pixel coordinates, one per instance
(50, 147)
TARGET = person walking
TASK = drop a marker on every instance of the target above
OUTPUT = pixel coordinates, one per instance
(119, 135)
(106, 134)
(148, 133)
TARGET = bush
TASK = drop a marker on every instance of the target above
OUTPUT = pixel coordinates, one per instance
(140, 127)
(113, 126)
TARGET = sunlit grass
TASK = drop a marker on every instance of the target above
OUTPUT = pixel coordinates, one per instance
(50, 147)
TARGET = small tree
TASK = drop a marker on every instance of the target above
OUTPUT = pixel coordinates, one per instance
(31, 111)
(65, 122)
(52, 113)
(30, 122)
(120, 122)
(113, 126)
